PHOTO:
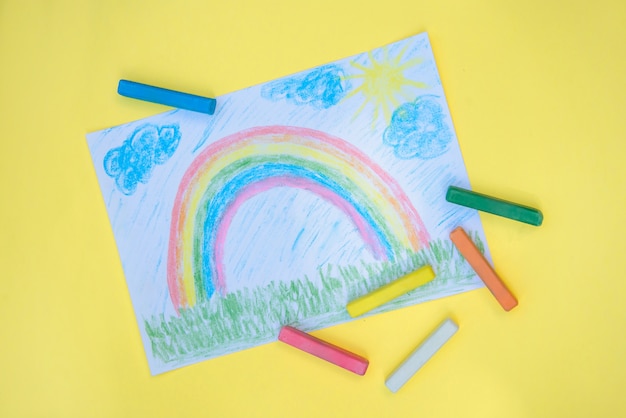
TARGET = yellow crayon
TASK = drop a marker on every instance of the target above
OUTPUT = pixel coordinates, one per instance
(390, 291)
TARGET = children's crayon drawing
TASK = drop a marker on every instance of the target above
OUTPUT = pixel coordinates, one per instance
(295, 197)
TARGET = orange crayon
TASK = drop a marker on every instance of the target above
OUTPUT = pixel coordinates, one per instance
(482, 268)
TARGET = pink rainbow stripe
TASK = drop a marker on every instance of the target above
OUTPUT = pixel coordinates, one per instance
(413, 224)
(366, 232)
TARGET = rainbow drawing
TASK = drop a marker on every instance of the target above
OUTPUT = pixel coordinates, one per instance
(234, 169)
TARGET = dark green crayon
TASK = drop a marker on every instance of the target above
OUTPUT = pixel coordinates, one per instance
(494, 205)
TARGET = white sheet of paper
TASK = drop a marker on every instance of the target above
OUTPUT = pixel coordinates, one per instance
(295, 197)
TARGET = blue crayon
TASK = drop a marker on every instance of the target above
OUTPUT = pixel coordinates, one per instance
(166, 97)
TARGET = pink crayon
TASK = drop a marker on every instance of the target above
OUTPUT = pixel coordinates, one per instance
(324, 350)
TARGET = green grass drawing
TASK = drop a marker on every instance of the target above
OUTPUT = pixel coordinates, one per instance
(249, 317)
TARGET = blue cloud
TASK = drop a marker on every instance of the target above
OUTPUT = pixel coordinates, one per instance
(321, 88)
(134, 160)
(418, 130)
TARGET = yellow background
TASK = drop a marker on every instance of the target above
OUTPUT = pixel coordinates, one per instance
(537, 91)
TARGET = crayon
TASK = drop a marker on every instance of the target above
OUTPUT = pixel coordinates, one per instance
(494, 206)
(421, 355)
(166, 97)
(324, 350)
(482, 268)
(390, 291)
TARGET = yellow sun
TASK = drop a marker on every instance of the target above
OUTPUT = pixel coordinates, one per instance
(384, 83)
